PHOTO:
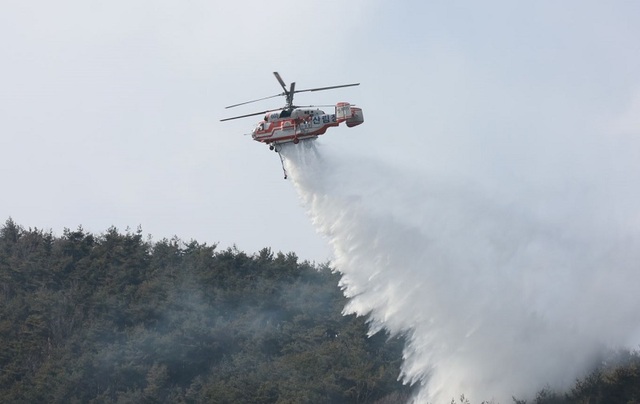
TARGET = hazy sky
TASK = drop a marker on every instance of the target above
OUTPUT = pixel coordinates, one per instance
(109, 110)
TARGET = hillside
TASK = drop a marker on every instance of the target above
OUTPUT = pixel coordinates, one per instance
(117, 318)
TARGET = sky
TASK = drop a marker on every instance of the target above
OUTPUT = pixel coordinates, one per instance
(109, 111)
(497, 120)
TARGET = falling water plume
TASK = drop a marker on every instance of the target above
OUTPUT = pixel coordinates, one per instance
(496, 299)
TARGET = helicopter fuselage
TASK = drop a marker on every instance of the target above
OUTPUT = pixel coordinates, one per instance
(293, 125)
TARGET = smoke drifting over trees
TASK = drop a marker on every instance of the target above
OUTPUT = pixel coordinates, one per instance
(117, 318)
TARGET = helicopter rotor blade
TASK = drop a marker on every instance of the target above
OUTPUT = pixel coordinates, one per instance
(288, 93)
(292, 91)
(259, 99)
(284, 86)
(315, 106)
(247, 115)
(327, 88)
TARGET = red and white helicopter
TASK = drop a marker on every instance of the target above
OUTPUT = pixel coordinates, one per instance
(293, 123)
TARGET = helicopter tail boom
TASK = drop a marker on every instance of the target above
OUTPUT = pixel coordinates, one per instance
(352, 115)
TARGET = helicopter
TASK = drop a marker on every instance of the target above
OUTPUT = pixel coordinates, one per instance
(293, 123)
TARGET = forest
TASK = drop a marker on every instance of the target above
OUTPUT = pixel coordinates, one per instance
(120, 318)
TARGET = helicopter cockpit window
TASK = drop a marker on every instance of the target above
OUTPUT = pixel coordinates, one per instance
(285, 114)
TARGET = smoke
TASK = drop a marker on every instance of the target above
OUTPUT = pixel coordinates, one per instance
(499, 296)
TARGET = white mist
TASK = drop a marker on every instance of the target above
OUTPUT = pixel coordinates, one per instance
(499, 298)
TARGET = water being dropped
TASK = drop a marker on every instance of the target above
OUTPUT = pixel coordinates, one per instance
(496, 302)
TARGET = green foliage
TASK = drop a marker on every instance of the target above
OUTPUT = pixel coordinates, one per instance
(615, 381)
(117, 318)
